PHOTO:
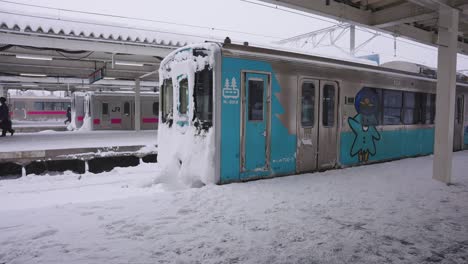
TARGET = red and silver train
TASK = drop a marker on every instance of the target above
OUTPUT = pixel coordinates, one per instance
(113, 111)
(38, 108)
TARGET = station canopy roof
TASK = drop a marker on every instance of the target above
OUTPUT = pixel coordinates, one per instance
(417, 20)
(44, 52)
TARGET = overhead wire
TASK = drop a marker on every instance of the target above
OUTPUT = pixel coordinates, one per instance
(141, 19)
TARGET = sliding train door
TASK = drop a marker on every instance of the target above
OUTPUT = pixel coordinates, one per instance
(255, 119)
(317, 124)
(458, 131)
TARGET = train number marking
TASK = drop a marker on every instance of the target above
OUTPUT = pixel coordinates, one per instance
(116, 109)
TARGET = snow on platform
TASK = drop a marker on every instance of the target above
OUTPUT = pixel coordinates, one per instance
(384, 213)
(48, 140)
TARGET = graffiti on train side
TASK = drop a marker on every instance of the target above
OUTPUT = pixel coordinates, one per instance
(363, 124)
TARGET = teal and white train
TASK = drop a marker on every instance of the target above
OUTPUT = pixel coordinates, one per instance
(232, 113)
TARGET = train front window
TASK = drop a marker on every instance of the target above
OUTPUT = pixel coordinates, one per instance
(203, 95)
(183, 96)
(167, 99)
(105, 108)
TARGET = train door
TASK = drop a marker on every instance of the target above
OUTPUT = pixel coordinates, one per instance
(115, 114)
(317, 125)
(307, 131)
(127, 115)
(255, 122)
(458, 131)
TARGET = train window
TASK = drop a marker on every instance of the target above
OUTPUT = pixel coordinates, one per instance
(412, 108)
(203, 95)
(459, 111)
(183, 96)
(392, 103)
(428, 108)
(167, 100)
(126, 108)
(105, 108)
(328, 113)
(155, 108)
(255, 100)
(38, 105)
(308, 104)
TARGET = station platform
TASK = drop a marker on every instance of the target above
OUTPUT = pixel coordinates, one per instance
(52, 150)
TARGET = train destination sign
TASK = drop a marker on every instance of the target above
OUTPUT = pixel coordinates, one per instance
(96, 76)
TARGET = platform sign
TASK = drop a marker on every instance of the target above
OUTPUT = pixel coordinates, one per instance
(96, 76)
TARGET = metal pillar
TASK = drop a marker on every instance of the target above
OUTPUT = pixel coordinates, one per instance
(2, 92)
(137, 105)
(446, 90)
(352, 40)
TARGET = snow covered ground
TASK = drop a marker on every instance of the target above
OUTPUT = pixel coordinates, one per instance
(384, 213)
(76, 139)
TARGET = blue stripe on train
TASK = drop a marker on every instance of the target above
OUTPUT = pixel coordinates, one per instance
(392, 144)
(283, 150)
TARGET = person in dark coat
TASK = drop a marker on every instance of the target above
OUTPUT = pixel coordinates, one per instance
(68, 116)
(5, 122)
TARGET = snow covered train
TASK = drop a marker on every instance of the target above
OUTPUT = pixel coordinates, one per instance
(235, 112)
(113, 111)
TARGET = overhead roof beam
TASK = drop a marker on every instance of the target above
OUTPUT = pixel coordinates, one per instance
(36, 40)
(401, 14)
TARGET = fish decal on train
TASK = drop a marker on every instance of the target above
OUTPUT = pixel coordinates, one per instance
(363, 124)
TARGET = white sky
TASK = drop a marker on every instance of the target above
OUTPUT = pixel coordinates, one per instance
(232, 15)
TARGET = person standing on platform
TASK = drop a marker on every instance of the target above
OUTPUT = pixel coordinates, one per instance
(68, 116)
(5, 122)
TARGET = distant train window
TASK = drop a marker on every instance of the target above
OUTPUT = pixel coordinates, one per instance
(328, 105)
(183, 96)
(428, 108)
(203, 95)
(308, 104)
(38, 105)
(19, 105)
(155, 108)
(392, 103)
(412, 108)
(459, 110)
(167, 99)
(255, 100)
(126, 108)
(105, 108)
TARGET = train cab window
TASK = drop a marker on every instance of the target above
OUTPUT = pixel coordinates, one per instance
(203, 95)
(328, 113)
(167, 99)
(255, 100)
(392, 103)
(183, 96)
(411, 108)
(308, 104)
(155, 108)
(126, 108)
(105, 109)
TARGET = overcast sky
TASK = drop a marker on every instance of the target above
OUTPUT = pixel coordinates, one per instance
(220, 18)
